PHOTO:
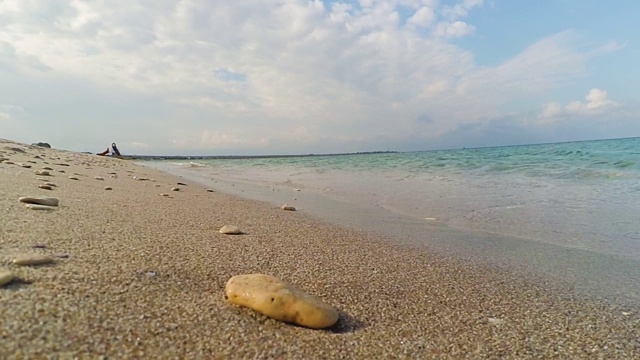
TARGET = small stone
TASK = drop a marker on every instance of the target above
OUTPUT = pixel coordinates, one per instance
(47, 168)
(73, 178)
(62, 164)
(99, 178)
(175, 189)
(8, 162)
(46, 187)
(157, 185)
(163, 194)
(6, 277)
(108, 188)
(111, 173)
(38, 246)
(62, 255)
(230, 230)
(50, 184)
(430, 219)
(42, 173)
(49, 201)
(32, 259)
(496, 321)
(40, 207)
(279, 300)
(183, 184)
(626, 313)
(25, 165)
(61, 171)
(209, 190)
(288, 207)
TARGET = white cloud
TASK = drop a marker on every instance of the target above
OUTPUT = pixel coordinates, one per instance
(262, 73)
(453, 29)
(596, 102)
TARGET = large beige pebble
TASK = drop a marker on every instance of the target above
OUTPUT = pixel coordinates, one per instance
(288, 207)
(32, 259)
(42, 173)
(49, 201)
(279, 300)
(230, 230)
(6, 277)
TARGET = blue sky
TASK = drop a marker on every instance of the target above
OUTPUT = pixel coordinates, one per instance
(293, 76)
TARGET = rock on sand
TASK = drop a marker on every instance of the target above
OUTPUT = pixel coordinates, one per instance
(5, 277)
(279, 300)
(32, 259)
(48, 201)
(288, 207)
(230, 230)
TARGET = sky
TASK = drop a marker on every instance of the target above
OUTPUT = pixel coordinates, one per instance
(252, 77)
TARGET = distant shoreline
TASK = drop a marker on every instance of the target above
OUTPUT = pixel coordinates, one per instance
(231, 157)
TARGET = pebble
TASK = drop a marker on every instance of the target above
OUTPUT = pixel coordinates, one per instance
(62, 164)
(40, 207)
(25, 165)
(181, 183)
(163, 194)
(50, 184)
(42, 173)
(46, 187)
(230, 230)
(8, 162)
(430, 219)
(73, 178)
(108, 188)
(288, 207)
(209, 190)
(157, 185)
(49, 201)
(32, 259)
(279, 300)
(99, 178)
(175, 189)
(6, 277)
(47, 168)
(38, 246)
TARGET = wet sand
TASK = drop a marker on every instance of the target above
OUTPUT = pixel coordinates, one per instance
(139, 275)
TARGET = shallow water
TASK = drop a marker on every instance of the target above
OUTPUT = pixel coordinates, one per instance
(521, 204)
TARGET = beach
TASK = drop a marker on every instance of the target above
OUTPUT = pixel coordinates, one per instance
(140, 275)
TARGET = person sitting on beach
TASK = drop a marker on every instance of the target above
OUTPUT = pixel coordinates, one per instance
(103, 153)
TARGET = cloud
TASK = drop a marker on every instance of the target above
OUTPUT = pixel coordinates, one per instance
(596, 102)
(262, 75)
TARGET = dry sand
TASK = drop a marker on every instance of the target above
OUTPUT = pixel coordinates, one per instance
(145, 276)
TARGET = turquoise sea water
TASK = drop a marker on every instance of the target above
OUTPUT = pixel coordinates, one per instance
(572, 207)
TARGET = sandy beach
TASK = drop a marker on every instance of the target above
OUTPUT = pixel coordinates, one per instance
(138, 275)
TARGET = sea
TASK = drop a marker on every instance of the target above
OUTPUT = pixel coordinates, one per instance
(566, 210)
